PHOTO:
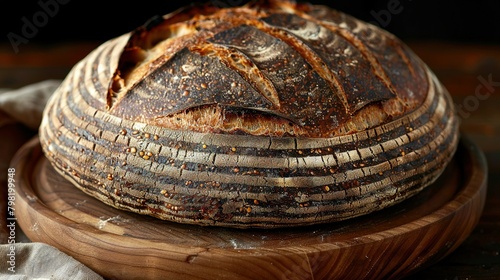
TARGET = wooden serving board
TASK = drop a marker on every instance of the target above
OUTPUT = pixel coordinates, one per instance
(388, 244)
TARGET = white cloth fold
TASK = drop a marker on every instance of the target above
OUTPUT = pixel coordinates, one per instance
(41, 261)
(26, 104)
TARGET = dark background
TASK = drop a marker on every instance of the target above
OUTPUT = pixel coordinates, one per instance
(90, 20)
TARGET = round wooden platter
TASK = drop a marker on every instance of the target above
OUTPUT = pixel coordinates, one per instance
(388, 244)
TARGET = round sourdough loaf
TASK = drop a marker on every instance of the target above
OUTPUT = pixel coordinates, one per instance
(271, 114)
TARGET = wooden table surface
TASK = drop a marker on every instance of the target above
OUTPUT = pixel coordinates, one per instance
(470, 72)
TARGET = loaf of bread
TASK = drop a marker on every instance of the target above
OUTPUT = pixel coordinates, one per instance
(271, 114)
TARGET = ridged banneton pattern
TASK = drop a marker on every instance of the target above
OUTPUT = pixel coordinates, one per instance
(268, 115)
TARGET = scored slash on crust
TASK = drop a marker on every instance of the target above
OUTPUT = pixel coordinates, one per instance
(217, 33)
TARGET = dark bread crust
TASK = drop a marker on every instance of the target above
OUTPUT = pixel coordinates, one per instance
(320, 70)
